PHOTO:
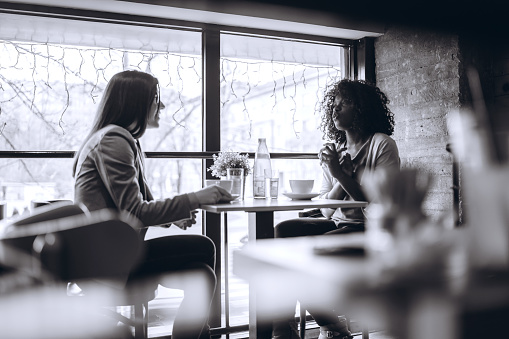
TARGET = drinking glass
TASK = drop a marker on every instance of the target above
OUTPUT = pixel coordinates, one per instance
(272, 183)
(236, 175)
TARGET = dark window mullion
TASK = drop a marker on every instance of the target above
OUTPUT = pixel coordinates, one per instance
(211, 94)
(211, 110)
(365, 60)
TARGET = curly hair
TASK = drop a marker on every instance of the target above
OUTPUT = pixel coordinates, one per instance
(373, 114)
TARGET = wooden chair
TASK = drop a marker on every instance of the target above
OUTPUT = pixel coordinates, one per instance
(95, 249)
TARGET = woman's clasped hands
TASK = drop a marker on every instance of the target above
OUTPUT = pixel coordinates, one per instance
(337, 162)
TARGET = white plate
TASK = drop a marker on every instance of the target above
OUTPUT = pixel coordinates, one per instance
(301, 196)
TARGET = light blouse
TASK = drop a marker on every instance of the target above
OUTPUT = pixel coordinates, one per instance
(380, 152)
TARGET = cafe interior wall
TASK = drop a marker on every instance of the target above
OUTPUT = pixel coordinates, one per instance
(423, 71)
(419, 71)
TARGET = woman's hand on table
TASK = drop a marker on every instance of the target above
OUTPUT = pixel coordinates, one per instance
(212, 195)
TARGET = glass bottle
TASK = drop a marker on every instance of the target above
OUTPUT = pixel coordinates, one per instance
(261, 163)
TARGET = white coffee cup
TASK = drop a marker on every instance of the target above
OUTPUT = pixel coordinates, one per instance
(301, 186)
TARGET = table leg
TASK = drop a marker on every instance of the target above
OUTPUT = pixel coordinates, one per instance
(260, 226)
(213, 231)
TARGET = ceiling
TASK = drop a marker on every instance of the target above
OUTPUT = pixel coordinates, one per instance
(348, 19)
(233, 13)
(488, 17)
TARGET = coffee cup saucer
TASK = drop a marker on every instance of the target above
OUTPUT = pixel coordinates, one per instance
(301, 196)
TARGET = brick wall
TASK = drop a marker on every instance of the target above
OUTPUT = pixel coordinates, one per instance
(419, 71)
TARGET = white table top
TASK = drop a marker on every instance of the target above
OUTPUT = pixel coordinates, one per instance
(281, 204)
(290, 268)
(299, 255)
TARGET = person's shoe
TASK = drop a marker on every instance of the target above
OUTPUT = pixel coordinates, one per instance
(326, 334)
(285, 330)
(337, 330)
(73, 290)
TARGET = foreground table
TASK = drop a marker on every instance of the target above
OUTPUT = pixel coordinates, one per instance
(283, 271)
(260, 226)
(411, 302)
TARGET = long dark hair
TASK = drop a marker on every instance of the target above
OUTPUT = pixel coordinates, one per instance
(126, 102)
(373, 114)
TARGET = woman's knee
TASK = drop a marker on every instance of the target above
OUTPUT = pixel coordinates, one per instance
(204, 273)
(208, 248)
(196, 276)
(303, 227)
(285, 228)
(199, 248)
(207, 244)
(209, 275)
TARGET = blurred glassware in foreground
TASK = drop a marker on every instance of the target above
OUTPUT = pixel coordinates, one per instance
(398, 231)
(409, 247)
(485, 183)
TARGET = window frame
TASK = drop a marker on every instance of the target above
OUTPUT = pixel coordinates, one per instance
(211, 72)
(359, 59)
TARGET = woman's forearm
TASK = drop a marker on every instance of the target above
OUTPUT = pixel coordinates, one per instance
(337, 192)
(351, 187)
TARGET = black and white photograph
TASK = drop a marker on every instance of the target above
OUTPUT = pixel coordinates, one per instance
(233, 169)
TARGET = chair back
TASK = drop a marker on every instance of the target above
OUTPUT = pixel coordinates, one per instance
(50, 211)
(98, 248)
(47, 212)
(102, 244)
(39, 203)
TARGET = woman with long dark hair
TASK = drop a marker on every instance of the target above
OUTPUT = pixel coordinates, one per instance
(357, 123)
(108, 172)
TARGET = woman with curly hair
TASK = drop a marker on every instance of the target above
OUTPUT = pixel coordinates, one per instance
(358, 124)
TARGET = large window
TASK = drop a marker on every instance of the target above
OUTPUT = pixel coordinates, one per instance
(51, 84)
(271, 88)
(53, 72)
